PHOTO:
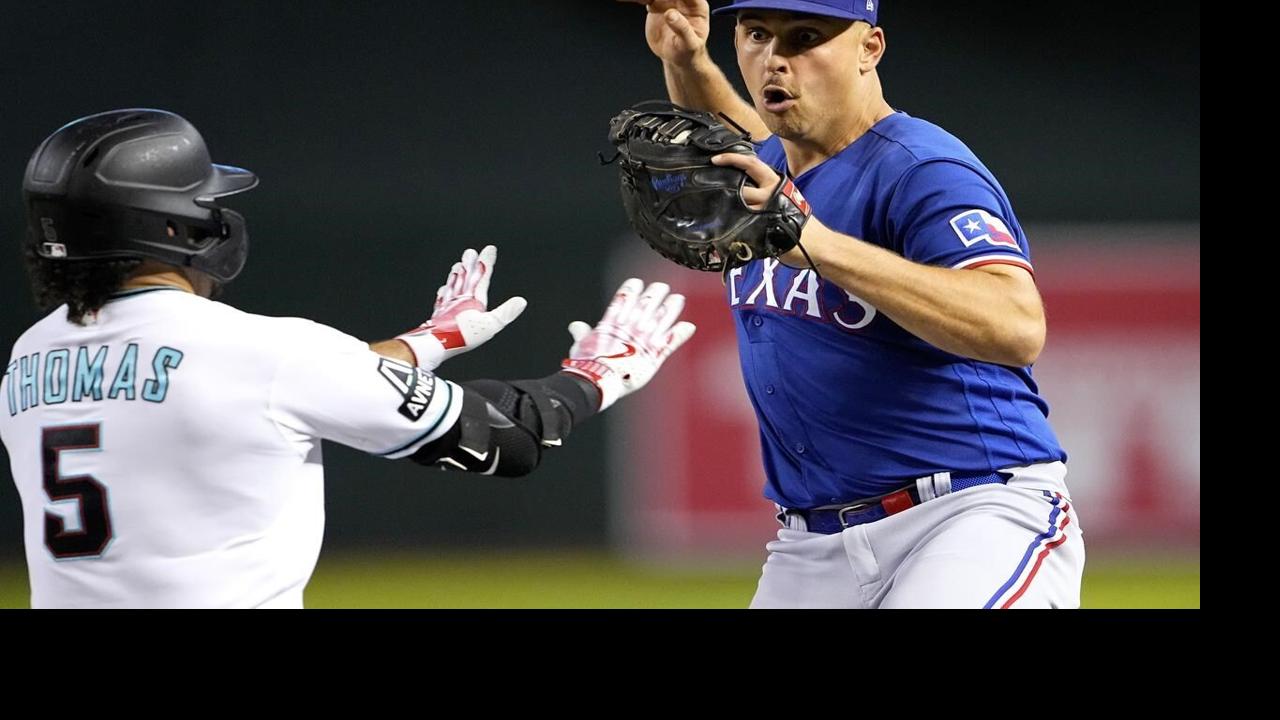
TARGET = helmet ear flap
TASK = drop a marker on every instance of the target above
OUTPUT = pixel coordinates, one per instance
(228, 250)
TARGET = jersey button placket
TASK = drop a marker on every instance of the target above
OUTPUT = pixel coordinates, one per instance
(753, 327)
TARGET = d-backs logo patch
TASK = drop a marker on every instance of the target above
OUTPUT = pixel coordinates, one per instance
(977, 225)
(414, 385)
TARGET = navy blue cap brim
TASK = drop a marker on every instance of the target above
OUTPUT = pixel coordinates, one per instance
(797, 6)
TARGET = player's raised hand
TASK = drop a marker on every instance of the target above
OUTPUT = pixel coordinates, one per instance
(636, 335)
(676, 29)
(462, 320)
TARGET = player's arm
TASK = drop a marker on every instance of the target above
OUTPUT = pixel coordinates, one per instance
(461, 319)
(503, 426)
(677, 33)
(989, 310)
(991, 313)
(394, 349)
(496, 427)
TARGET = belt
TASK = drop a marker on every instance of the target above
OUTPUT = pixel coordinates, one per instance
(831, 519)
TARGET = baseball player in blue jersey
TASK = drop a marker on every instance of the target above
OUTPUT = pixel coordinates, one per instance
(904, 440)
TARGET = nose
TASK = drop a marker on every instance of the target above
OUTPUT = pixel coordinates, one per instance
(776, 61)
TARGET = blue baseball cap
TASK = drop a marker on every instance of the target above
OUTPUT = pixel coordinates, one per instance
(848, 9)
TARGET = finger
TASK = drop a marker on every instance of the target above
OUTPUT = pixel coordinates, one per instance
(484, 272)
(754, 197)
(693, 8)
(509, 310)
(456, 278)
(445, 293)
(755, 168)
(642, 315)
(680, 24)
(667, 315)
(470, 273)
(579, 330)
(676, 337)
(623, 300)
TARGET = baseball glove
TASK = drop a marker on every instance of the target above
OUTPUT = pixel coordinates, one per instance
(688, 209)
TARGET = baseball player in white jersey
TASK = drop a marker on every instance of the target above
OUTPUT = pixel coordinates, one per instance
(167, 447)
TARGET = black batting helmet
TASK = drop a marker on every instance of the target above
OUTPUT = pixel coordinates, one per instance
(135, 183)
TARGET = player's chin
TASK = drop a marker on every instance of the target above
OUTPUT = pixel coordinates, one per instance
(785, 126)
(776, 119)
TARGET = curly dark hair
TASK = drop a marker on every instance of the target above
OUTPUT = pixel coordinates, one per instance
(84, 285)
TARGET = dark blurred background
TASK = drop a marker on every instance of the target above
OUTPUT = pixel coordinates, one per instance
(391, 135)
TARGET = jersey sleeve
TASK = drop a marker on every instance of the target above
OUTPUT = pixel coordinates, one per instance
(945, 213)
(332, 386)
(771, 153)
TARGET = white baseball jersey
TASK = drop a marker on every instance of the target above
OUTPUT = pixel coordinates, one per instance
(168, 454)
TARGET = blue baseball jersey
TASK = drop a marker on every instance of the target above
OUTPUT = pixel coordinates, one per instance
(850, 404)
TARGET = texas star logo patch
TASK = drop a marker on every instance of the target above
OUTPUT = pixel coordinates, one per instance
(974, 226)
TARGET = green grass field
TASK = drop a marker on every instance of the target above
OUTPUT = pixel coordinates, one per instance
(585, 580)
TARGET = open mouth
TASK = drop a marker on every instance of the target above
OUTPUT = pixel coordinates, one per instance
(777, 99)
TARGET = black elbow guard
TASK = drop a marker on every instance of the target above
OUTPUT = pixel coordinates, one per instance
(504, 425)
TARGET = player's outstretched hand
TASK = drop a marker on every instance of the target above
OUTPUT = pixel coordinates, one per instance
(462, 319)
(624, 350)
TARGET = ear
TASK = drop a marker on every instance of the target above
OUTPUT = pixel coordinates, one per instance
(873, 46)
